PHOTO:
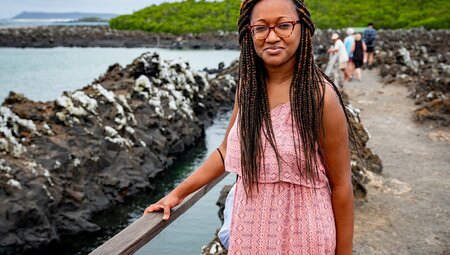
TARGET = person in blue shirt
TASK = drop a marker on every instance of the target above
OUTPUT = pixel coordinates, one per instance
(370, 36)
(348, 42)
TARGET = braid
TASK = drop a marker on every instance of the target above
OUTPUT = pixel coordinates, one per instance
(306, 95)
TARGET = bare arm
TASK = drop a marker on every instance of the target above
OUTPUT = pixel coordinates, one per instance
(211, 168)
(332, 50)
(335, 142)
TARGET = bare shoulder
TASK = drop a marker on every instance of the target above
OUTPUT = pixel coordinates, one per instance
(331, 97)
(334, 122)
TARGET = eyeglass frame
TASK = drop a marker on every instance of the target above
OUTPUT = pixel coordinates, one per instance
(293, 23)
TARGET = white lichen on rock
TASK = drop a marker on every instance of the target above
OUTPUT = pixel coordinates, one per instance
(143, 86)
(87, 102)
(47, 192)
(110, 132)
(3, 167)
(57, 165)
(122, 117)
(47, 129)
(172, 90)
(130, 130)
(14, 183)
(38, 170)
(229, 83)
(67, 103)
(76, 162)
(10, 124)
(109, 95)
(354, 111)
(113, 136)
(203, 77)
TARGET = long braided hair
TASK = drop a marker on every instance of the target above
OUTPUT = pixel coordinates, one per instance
(306, 95)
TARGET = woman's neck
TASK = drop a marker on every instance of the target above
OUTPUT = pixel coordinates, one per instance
(280, 74)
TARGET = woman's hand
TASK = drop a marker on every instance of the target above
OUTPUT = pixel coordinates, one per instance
(166, 203)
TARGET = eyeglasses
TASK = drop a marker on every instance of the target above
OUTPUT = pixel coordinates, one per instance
(283, 29)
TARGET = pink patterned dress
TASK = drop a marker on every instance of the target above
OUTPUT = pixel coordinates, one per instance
(288, 215)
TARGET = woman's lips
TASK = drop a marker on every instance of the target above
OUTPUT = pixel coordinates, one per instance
(273, 50)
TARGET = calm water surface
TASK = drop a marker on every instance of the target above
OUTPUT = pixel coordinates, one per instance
(43, 74)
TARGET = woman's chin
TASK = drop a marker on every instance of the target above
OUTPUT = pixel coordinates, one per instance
(274, 61)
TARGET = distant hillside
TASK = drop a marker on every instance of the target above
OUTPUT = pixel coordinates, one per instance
(190, 16)
(67, 15)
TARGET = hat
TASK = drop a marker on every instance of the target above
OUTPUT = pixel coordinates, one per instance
(334, 36)
(350, 31)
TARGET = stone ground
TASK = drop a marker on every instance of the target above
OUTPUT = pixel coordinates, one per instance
(408, 208)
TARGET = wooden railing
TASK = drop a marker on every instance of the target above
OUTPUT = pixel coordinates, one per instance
(148, 226)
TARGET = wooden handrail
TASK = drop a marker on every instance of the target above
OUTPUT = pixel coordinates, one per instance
(144, 229)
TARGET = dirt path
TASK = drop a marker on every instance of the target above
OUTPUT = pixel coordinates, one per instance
(408, 209)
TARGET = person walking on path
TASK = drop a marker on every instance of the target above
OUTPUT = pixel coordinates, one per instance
(370, 36)
(288, 142)
(339, 48)
(348, 42)
(358, 50)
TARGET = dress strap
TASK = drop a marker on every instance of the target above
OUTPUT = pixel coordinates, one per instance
(221, 156)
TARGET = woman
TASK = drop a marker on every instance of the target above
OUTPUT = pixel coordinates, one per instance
(359, 48)
(287, 140)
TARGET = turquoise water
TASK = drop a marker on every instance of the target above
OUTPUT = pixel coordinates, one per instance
(43, 74)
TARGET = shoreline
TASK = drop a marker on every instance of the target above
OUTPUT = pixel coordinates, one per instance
(102, 36)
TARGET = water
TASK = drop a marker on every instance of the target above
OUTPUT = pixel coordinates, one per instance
(11, 23)
(43, 74)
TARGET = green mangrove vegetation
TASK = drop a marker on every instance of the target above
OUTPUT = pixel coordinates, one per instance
(191, 16)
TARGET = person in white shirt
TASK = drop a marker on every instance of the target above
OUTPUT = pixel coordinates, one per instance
(339, 48)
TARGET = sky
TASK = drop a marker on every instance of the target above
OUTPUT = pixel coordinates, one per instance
(10, 8)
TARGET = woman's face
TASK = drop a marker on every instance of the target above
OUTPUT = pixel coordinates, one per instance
(276, 51)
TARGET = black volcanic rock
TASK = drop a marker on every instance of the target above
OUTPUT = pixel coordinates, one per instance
(103, 36)
(419, 59)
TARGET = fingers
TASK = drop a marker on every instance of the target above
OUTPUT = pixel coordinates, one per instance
(153, 208)
(159, 207)
(166, 212)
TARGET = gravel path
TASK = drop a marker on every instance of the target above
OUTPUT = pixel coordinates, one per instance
(408, 208)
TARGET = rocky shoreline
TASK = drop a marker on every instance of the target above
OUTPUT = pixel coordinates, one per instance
(64, 160)
(103, 36)
(419, 59)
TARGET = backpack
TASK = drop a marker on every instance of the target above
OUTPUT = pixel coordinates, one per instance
(370, 35)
